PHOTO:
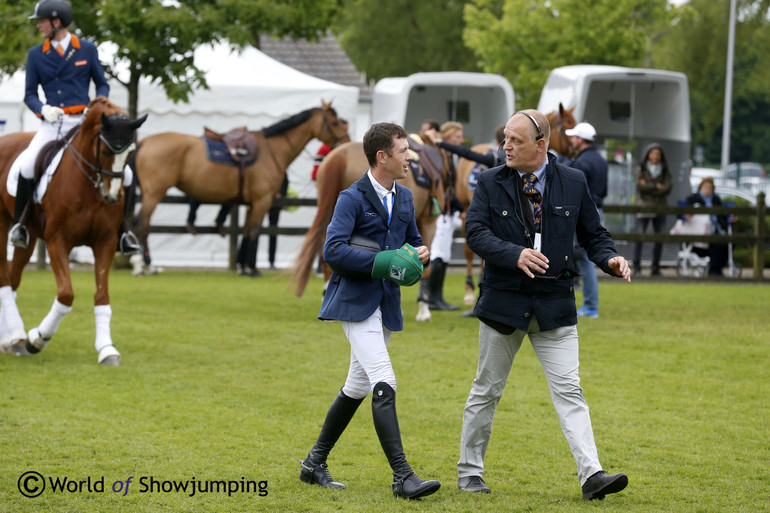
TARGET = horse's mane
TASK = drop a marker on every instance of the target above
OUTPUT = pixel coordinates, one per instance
(288, 123)
(285, 124)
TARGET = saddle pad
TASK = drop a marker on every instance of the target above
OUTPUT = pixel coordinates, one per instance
(473, 177)
(422, 180)
(42, 186)
(216, 151)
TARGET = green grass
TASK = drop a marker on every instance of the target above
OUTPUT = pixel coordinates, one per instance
(225, 378)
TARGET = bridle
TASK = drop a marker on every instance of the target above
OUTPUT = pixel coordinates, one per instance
(327, 125)
(96, 177)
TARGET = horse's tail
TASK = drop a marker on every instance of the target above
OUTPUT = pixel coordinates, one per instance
(331, 175)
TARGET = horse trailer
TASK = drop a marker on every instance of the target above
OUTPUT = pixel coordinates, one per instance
(480, 101)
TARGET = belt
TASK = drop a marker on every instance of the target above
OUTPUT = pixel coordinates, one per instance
(74, 110)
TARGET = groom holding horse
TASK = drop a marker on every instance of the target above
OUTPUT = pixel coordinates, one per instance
(63, 65)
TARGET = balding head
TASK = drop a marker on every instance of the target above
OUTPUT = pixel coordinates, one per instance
(526, 140)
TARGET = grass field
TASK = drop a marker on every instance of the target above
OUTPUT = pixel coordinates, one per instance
(228, 378)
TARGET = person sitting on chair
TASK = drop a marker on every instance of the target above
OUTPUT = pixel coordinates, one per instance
(63, 65)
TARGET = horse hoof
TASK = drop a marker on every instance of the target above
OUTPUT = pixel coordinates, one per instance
(423, 312)
(35, 342)
(21, 348)
(111, 361)
(9, 344)
(469, 299)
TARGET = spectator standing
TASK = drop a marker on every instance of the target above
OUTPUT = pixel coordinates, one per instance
(594, 167)
(653, 182)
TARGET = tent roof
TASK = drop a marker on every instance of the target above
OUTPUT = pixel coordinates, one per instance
(249, 83)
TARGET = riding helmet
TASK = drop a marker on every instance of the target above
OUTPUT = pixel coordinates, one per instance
(53, 9)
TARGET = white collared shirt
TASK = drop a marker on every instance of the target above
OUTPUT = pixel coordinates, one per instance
(382, 191)
(64, 43)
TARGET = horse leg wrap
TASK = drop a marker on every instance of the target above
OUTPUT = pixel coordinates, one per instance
(11, 324)
(50, 324)
(103, 344)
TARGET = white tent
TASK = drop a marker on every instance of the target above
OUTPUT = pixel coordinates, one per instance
(480, 101)
(247, 88)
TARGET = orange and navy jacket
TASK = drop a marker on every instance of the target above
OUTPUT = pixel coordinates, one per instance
(65, 80)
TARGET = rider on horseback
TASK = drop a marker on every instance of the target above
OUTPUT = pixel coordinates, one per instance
(63, 65)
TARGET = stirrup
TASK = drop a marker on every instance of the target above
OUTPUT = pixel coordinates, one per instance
(129, 244)
(17, 231)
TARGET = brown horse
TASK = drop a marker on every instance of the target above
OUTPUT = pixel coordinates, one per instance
(172, 159)
(559, 121)
(341, 168)
(83, 206)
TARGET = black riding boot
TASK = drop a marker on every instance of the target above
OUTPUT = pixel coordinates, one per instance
(406, 484)
(436, 287)
(423, 294)
(128, 244)
(247, 258)
(19, 235)
(314, 469)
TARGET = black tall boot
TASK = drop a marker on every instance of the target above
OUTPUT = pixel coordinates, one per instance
(19, 235)
(314, 469)
(436, 287)
(128, 244)
(406, 484)
(247, 257)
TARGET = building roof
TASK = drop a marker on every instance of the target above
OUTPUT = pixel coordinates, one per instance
(323, 59)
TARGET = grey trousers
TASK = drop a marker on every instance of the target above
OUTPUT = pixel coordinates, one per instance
(557, 351)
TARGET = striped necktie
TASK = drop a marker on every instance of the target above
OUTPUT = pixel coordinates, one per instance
(534, 197)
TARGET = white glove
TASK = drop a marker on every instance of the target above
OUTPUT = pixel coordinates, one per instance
(51, 113)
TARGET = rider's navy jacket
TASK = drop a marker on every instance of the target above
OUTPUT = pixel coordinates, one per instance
(65, 80)
(360, 212)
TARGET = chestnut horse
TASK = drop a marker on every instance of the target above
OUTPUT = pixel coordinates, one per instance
(173, 159)
(559, 121)
(341, 168)
(83, 206)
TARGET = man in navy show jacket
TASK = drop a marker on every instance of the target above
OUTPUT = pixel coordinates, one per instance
(526, 289)
(373, 218)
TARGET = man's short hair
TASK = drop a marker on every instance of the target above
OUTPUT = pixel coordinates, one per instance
(380, 137)
(432, 123)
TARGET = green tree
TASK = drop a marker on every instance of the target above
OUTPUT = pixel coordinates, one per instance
(697, 46)
(524, 40)
(401, 37)
(157, 38)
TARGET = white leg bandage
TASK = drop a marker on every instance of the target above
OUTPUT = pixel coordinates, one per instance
(51, 322)
(9, 312)
(102, 316)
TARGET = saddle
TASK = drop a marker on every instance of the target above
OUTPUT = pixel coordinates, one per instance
(430, 158)
(241, 144)
(240, 149)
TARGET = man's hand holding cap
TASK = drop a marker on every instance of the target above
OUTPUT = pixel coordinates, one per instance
(402, 265)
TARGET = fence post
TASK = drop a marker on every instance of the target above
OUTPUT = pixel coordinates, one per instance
(759, 230)
(233, 234)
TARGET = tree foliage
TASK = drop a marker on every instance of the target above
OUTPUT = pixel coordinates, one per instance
(697, 46)
(401, 37)
(157, 38)
(524, 40)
